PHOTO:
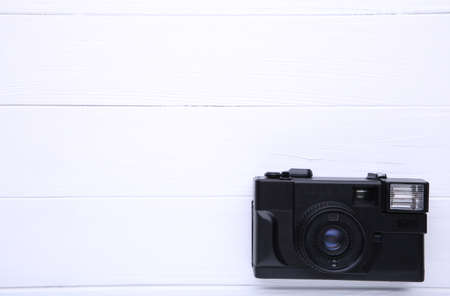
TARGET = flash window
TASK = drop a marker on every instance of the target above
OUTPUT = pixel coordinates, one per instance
(406, 197)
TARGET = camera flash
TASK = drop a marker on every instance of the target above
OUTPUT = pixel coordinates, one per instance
(406, 197)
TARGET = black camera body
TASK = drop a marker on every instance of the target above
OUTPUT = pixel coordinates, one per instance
(305, 227)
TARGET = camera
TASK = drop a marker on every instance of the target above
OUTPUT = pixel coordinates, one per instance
(306, 227)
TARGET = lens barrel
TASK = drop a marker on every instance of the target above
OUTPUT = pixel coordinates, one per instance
(330, 238)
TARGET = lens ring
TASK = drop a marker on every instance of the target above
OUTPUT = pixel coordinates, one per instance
(310, 231)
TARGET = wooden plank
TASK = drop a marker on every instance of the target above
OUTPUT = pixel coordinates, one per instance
(158, 241)
(113, 151)
(244, 7)
(230, 60)
(222, 291)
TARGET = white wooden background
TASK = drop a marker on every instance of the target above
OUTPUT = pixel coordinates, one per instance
(131, 131)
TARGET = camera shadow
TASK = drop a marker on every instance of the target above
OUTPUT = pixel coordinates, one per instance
(333, 290)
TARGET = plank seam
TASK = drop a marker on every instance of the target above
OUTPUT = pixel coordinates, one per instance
(227, 106)
(44, 13)
(386, 288)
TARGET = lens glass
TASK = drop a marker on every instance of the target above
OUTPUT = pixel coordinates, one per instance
(333, 239)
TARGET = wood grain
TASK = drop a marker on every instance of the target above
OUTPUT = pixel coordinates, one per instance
(225, 61)
(160, 241)
(135, 151)
(242, 7)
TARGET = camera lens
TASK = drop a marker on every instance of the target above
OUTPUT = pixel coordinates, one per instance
(330, 238)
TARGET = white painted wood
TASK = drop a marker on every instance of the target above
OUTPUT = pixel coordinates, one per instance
(158, 241)
(233, 60)
(242, 7)
(224, 291)
(113, 151)
(105, 199)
